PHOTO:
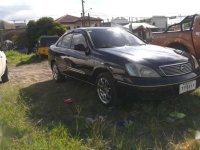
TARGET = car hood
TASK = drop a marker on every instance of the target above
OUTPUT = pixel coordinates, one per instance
(155, 55)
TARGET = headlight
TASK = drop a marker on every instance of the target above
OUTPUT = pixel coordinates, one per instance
(140, 71)
(196, 64)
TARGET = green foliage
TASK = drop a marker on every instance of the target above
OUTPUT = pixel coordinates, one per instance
(43, 26)
(18, 133)
(20, 39)
(15, 57)
(35, 117)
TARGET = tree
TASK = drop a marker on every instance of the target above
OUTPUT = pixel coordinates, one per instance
(43, 26)
(31, 33)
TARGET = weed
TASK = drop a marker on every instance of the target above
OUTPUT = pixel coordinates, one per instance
(15, 57)
(36, 117)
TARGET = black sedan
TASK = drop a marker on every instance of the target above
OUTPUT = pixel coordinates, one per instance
(108, 57)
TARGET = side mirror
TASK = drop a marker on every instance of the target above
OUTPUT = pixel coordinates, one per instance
(80, 47)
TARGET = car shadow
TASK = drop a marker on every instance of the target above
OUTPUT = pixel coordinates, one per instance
(51, 102)
(32, 60)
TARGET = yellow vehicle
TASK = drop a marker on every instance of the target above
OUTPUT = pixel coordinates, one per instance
(43, 44)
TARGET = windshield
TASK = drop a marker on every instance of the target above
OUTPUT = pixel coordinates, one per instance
(113, 37)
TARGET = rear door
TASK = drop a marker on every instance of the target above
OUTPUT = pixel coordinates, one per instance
(62, 52)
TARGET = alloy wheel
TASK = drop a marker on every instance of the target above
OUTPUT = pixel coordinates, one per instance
(55, 72)
(104, 90)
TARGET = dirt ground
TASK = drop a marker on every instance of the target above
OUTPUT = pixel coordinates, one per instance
(29, 73)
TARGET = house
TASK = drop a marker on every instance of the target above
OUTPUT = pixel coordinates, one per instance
(120, 20)
(72, 22)
(142, 30)
(111, 24)
(20, 25)
(160, 22)
(6, 25)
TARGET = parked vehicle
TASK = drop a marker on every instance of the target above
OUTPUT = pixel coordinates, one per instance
(184, 36)
(3, 68)
(111, 58)
(43, 44)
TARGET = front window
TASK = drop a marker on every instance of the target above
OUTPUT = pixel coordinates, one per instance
(78, 38)
(113, 37)
(65, 41)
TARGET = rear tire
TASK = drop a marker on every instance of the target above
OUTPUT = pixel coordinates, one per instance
(57, 76)
(5, 78)
(106, 90)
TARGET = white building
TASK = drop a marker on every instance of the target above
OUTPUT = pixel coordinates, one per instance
(120, 20)
(160, 22)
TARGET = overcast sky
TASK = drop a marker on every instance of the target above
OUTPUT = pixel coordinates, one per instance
(34, 9)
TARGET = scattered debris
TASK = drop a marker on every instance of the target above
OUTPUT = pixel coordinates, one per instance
(39, 122)
(170, 120)
(125, 123)
(90, 120)
(68, 101)
(197, 135)
(101, 118)
(177, 115)
(98, 118)
(111, 147)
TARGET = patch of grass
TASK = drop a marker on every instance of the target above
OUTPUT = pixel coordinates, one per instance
(36, 117)
(141, 125)
(15, 57)
(17, 131)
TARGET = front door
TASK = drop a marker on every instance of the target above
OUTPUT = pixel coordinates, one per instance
(80, 61)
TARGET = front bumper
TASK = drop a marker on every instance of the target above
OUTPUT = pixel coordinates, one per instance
(158, 86)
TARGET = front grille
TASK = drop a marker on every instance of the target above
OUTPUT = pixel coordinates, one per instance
(176, 69)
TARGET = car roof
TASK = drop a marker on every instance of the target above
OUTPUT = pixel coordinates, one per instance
(89, 28)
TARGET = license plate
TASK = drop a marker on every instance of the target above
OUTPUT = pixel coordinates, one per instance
(188, 86)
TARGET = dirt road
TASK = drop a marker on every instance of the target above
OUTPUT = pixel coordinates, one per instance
(29, 73)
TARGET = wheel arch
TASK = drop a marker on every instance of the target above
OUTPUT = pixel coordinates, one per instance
(180, 46)
(52, 62)
(97, 71)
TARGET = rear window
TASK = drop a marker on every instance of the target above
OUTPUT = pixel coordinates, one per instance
(47, 41)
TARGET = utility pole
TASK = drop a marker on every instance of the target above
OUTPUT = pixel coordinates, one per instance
(89, 19)
(83, 13)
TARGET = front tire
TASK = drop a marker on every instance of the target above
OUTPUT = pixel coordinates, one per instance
(106, 90)
(5, 78)
(57, 76)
